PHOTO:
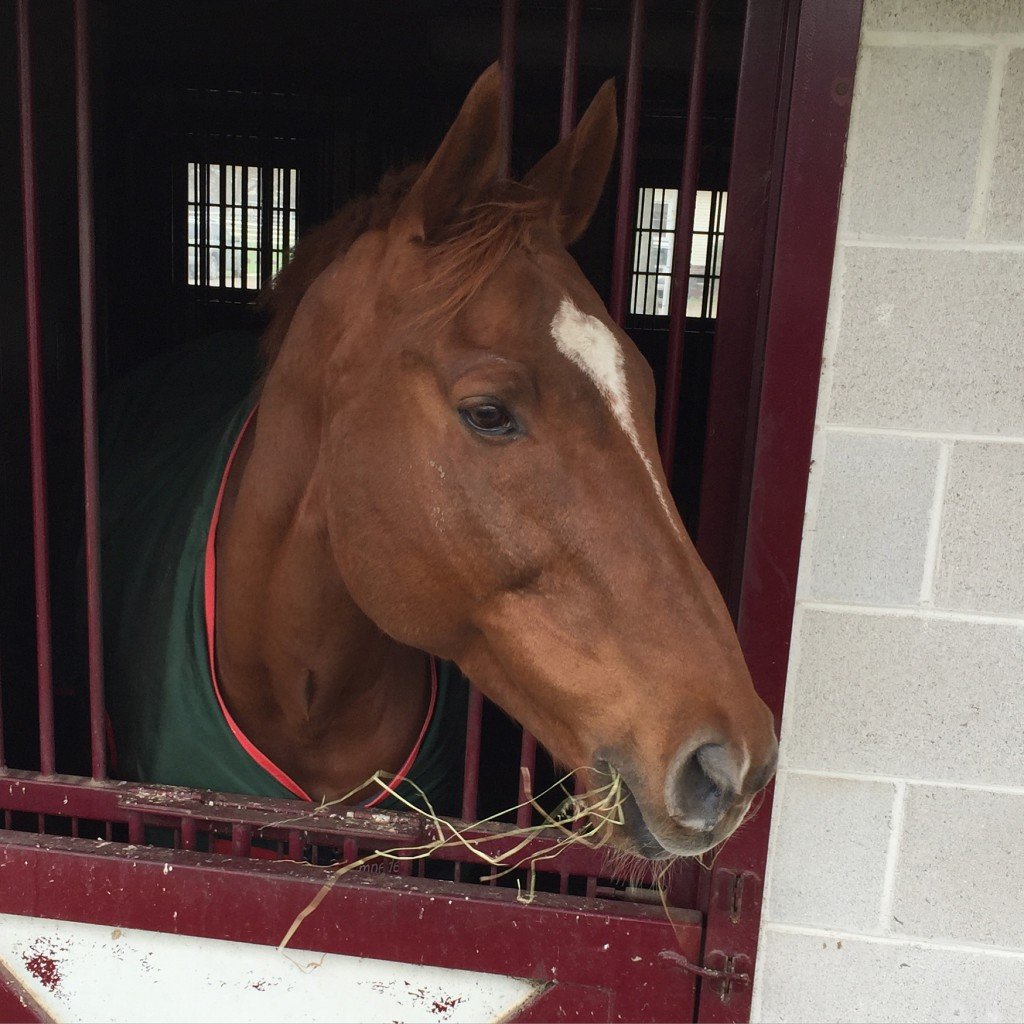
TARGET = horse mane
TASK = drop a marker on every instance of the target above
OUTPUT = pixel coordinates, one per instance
(464, 256)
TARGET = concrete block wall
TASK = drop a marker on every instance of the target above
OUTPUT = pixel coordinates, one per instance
(895, 886)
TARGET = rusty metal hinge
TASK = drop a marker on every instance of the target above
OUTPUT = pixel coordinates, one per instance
(728, 974)
(734, 893)
(727, 977)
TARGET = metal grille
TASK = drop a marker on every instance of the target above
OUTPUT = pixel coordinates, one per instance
(242, 223)
(653, 252)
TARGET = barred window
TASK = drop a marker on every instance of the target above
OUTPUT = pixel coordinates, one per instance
(653, 248)
(242, 223)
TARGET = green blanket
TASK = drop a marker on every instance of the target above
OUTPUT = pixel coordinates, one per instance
(165, 436)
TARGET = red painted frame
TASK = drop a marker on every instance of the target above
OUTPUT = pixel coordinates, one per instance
(574, 946)
(827, 35)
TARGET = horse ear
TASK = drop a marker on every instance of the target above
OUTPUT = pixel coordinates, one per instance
(573, 174)
(466, 162)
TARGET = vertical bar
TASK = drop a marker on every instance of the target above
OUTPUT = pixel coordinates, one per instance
(241, 840)
(509, 11)
(245, 226)
(3, 762)
(90, 457)
(570, 66)
(295, 850)
(222, 192)
(527, 760)
(230, 231)
(293, 211)
(627, 167)
(654, 253)
(642, 258)
(188, 833)
(136, 830)
(286, 220)
(266, 222)
(203, 198)
(36, 422)
(471, 775)
(769, 40)
(684, 239)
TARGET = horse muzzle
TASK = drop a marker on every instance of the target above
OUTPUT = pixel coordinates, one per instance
(707, 793)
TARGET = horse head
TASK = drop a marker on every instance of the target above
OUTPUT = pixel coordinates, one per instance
(487, 459)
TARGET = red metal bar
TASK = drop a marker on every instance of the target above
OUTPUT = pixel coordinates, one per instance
(684, 238)
(90, 457)
(509, 12)
(570, 66)
(471, 774)
(827, 37)
(527, 760)
(188, 833)
(193, 811)
(36, 421)
(3, 762)
(241, 840)
(754, 182)
(622, 254)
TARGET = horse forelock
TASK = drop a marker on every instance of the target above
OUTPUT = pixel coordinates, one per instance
(462, 258)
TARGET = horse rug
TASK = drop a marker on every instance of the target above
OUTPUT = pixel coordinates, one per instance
(167, 434)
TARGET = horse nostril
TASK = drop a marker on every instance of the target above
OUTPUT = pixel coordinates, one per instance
(705, 787)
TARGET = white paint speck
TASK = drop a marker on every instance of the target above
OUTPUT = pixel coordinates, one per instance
(587, 342)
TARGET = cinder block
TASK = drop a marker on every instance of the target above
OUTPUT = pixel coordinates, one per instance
(905, 696)
(960, 873)
(981, 546)
(829, 842)
(804, 978)
(915, 139)
(1004, 215)
(944, 15)
(930, 340)
(871, 524)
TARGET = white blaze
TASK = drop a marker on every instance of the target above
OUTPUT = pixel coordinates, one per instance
(589, 343)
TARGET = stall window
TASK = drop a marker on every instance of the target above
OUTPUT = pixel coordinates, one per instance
(654, 241)
(242, 223)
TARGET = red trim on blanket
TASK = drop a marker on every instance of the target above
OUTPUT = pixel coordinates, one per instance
(415, 752)
(210, 607)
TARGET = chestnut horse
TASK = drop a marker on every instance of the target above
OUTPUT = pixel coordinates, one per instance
(452, 455)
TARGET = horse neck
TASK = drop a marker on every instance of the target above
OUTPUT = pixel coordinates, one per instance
(309, 678)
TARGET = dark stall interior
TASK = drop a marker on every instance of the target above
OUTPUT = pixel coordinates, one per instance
(333, 94)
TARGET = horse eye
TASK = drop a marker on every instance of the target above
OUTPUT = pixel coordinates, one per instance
(489, 419)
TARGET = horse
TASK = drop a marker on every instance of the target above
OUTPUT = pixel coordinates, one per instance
(448, 459)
